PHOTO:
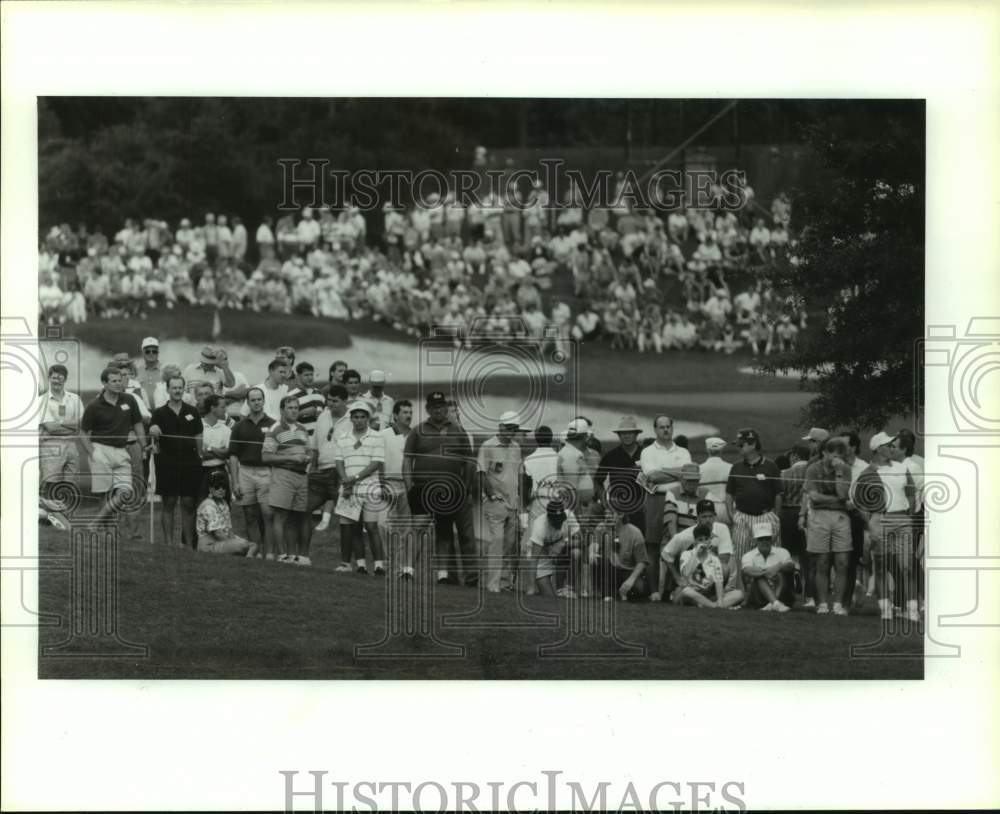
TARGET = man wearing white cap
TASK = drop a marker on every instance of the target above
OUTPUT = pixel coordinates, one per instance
(360, 459)
(880, 494)
(575, 486)
(499, 468)
(815, 437)
(381, 403)
(151, 374)
(715, 475)
(767, 572)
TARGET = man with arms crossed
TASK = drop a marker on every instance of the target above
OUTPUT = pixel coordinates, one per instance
(105, 426)
(828, 531)
(59, 422)
(286, 451)
(252, 482)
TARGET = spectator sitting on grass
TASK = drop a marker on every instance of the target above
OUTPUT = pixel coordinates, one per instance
(703, 577)
(767, 573)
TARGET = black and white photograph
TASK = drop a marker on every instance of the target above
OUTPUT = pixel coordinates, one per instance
(656, 399)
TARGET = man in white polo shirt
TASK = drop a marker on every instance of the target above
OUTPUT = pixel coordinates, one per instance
(660, 464)
(402, 557)
(715, 474)
(324, 483)
(58, 427)
(275, 388)
(360, 458)
(767, 572)
(499, 468)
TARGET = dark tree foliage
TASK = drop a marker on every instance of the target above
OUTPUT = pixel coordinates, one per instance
(862, 269)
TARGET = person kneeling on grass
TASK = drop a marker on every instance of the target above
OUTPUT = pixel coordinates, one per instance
(703, 577)
(214, 524)
(618, 560)
(767, 572)
(550, 537)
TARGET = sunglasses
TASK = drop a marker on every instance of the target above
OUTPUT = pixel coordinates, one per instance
(150, 350)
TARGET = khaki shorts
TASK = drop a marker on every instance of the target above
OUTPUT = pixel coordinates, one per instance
(289, 490)
(58, 460)
(255, 485)
(828, 532)
(110, 469)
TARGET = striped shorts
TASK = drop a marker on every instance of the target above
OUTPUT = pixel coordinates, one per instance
(742, 531)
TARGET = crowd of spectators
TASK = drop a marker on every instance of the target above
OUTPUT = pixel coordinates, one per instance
(646, 282)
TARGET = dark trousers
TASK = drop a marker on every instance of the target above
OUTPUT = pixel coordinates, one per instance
(857, 554)
(445, 523)
(794, 539)
(607, 579)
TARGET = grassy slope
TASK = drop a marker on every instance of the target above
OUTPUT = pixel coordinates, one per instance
(221, 617)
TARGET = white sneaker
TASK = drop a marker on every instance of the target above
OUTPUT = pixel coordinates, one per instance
(343, 568)
(809, 603)
(839, 610)
(303, 561)
(768, 607)
(780, 607)
(822, 608)
(323, 524)
(58, 522)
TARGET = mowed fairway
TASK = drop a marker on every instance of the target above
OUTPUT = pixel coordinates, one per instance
(205, 616)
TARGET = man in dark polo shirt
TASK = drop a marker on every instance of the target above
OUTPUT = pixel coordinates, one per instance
(250, 487)
(437, 462)
(615, 481)
(176, 429)
(104, 431)
(753, 493)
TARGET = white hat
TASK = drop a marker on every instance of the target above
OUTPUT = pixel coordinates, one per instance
(359, 405)
(880, 439)
(510, 418)
(577, 427)
(715, 444)
(762, 530)
(377, 377)
(150, 342)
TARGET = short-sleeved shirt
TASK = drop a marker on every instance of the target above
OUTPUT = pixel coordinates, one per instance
(272, 400)
(67, 410)
(616, 474)
(280, 437)
(714, 474)
(177, 444)
(358, 453)
(575, 471)
(217, 435)
(110, 424)
(309, 397)
(395, 441)
(702, 575)
(196, 374)
(324, 439)
(754, 487)
(213, 515)
(656, 456)
(502, 467)
(438, 450)
(793, 480)
(720, 540)
(541, 467)
(823, 479)
(630, 548)
(246, 441)
(754, 559)
(545, 535)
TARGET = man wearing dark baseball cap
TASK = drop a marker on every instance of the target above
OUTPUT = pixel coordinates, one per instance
(437, 470)
(753, 493)
(718, 539)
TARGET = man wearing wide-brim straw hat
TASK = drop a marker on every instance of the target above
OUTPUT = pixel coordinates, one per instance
(615, 481)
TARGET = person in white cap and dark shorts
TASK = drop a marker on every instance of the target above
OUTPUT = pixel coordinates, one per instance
(499, 472)
(767, 572)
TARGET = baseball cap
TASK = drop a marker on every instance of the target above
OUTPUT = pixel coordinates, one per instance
(437, 399)
(555, 507)
(377, 377)
(762, 530)
(817, 434)
(150, 342)
(704, 505)
(360, 404)
(690, 469)
(714, 444)
(510, 418)
(217, 479)
(576, 428)
(880, 439)
(748, 434)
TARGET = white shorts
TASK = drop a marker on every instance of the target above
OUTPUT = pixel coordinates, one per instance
(110, 469)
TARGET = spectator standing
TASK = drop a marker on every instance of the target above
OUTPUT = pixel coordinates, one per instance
(59, 414)
(615, 481)
(382, 403)
(208, 370)
(176, 429)
(793, 517)
(251, 486)
(753, 492)
(828, 531)
(274, 388)
(499, 467)
(715, 474)
(360, 459)
(682, 499)
(286, 451)
(216, 434)
(324, 483)
(403, 556)
(311, 400)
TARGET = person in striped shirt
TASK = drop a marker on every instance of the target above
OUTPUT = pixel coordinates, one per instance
(360, 458)
(286, 451)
